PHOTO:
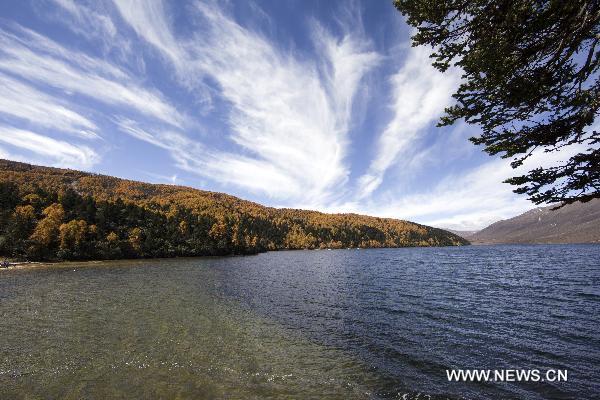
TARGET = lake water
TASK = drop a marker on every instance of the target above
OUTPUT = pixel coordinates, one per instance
(340, 324)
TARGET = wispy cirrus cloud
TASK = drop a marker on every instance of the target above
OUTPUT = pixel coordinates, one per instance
(151, 22)
(51, 151)
(87, 22)
(26, 102)
(224, 167)
(290, 117)
(420, 94)
(38, 59)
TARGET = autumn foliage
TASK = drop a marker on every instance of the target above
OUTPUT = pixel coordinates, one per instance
(48, 214)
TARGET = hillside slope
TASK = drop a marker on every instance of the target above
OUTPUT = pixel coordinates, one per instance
(51, 213)
(574, 223)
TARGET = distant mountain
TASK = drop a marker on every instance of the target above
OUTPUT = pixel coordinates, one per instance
(462, 234)
(573, 223)
(51, 213)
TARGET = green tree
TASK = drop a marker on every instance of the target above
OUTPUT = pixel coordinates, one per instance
(530, 80)
(9, 195)
(22, 223)
(9, 198)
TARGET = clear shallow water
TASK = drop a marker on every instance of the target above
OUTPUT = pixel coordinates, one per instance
(304, 324)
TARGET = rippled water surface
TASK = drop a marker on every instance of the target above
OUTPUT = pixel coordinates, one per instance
(304, 324)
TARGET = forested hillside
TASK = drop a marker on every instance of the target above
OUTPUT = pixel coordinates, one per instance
(57, 214)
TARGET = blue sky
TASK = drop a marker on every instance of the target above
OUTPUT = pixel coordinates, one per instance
(312, 104)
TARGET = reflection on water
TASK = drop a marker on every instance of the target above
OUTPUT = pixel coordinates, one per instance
(303, 324)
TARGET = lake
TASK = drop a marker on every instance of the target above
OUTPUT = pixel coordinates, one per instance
(339, 324)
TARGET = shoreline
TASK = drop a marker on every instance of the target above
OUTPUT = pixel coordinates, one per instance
(21, 265)
(12, 265)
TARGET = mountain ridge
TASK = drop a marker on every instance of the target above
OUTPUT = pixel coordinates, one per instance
(572, 223)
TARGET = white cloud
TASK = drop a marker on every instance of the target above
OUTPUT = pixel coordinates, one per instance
(26, 102)
(466, 201)
(420, 95)
(41, 60)
(88, 22)
(149, 20)
(55, 152)
(473, 200)
(289, 117)
(289, 113)
(224, 167)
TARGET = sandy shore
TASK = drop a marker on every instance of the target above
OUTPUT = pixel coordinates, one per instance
(26, 265)
(23, 264)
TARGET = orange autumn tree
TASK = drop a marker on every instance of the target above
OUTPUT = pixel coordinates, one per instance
(45, 237)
